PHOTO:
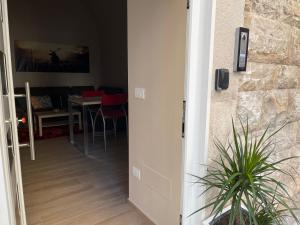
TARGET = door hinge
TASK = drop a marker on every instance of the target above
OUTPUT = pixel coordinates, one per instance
(180, 219)
(188, 4)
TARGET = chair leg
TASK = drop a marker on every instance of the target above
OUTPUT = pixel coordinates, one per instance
(126, 119)
(93, 122)
(93, 128)
(104, 134)
(94, 132)
(115, 126)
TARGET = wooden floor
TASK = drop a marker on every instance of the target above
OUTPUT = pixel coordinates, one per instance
(62, 187)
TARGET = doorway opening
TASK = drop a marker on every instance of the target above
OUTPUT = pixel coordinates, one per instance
(73, 49)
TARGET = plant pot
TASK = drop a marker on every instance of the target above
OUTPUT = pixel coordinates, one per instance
(223, 219)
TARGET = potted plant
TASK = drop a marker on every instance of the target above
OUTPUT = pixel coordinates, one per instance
(243, 179)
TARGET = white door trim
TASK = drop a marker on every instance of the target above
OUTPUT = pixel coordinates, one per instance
(200, 46)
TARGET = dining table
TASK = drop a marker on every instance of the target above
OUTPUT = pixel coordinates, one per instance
(84, 103)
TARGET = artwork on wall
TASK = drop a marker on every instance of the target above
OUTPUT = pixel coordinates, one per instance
(49, 57)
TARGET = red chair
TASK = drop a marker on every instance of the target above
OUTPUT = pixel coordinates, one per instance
(92, 93)
(113, 108)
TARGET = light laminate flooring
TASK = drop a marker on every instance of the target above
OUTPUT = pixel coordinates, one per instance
(63, 187)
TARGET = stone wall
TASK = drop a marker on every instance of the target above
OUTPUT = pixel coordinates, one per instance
(269, 92)
(273, 79)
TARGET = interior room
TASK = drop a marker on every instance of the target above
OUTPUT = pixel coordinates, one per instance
(66, 49)
(143, 112)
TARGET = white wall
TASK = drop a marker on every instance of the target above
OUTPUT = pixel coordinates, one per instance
(224, 103)
(156, 38)
(56, 21)
(111, 18)
(229, 16)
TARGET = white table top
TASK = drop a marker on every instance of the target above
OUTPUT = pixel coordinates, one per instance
(85, 101)
(54, 113)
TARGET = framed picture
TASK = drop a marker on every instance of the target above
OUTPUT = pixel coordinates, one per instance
(49, 57)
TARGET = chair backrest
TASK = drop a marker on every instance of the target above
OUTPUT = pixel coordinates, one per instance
(113, 100)
(99, 93)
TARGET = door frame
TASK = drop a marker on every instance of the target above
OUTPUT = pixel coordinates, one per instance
(199, 60)
(199, 73)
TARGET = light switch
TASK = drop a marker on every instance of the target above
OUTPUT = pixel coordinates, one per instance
(140, 93)
(136, 173)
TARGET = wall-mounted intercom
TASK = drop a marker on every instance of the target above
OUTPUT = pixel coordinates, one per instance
(241, 49)
(222, 79)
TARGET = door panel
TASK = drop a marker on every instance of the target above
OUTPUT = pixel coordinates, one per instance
(9, 143)
(156, 62)
(11, 146)
(7, 212)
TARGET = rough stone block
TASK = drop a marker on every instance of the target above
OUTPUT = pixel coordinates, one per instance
(268, 8)
(291, 13)
(269, 107)
(263, 70)
(291, 7)
(247, 19)
(220, 118)
(269, 41)
(270, 77)
(294, 105)
(250, 106)
(288, 77)
(295, 48)
(285, 140)
(248, 5)
(274, 107)
(252, 85)
(287, 11)
(271, 82)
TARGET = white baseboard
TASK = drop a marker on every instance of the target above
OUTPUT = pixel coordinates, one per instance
(142, 211)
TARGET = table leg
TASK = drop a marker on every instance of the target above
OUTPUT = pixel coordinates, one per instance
(35, 123)
(71, 121)
(40, 127)
(85, 131)
(80, 121)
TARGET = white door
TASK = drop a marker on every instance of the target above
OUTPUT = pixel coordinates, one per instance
(12, 210)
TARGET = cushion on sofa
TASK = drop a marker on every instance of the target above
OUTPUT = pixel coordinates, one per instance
(41, 102)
